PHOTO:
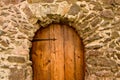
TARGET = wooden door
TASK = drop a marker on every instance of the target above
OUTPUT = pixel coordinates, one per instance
(57, 54)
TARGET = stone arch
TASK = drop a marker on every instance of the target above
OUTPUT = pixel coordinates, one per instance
(83, 25)
(97, 25)
(85, 22)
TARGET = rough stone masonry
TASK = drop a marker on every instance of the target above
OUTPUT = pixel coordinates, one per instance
(96, 21)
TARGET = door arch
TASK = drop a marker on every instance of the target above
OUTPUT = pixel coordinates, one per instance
(57, 54)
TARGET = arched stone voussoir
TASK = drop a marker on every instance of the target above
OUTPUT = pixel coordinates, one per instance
(66, 20)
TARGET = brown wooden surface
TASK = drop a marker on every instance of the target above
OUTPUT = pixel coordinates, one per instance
(61, 59)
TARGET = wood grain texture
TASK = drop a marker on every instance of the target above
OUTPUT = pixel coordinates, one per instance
(62, 59)
(69, 53)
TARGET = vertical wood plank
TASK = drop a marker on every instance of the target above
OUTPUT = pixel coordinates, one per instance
(41, 56)
(59, 52)
(36, 54)
(52, 52)
(46, 54)
(79, 58)
(69, 53)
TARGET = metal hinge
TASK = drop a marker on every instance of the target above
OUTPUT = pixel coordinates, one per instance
(38, 39)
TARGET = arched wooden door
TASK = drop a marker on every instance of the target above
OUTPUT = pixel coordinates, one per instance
(57, 54)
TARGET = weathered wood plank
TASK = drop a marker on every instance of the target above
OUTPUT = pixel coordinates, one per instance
(79, 58)
(59, 53)
(52, 52)
(41, 59)
(69, 53)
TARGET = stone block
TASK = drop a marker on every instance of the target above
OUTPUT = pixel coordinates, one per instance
(5, 14)
(97, 5)
(16, 59)
(94, 53)
(115, 34)
(12, 1)
(112, 44)
(107, 14)
(118, 48)
(17, 74)
(48, 1)
(74, 9)
(84, 25)
(101, 61)
(27, 11)
(4, 43)
(42, 1)
(105, 23)
(108, 2)
(1, 32)
(96, 21)
(104, 73)
(62, 9)
(95, 46)
(89, 16)
(71, 1)
(33, 1)
(82, 15)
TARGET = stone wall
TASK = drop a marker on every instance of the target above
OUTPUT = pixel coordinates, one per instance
(97, 23)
